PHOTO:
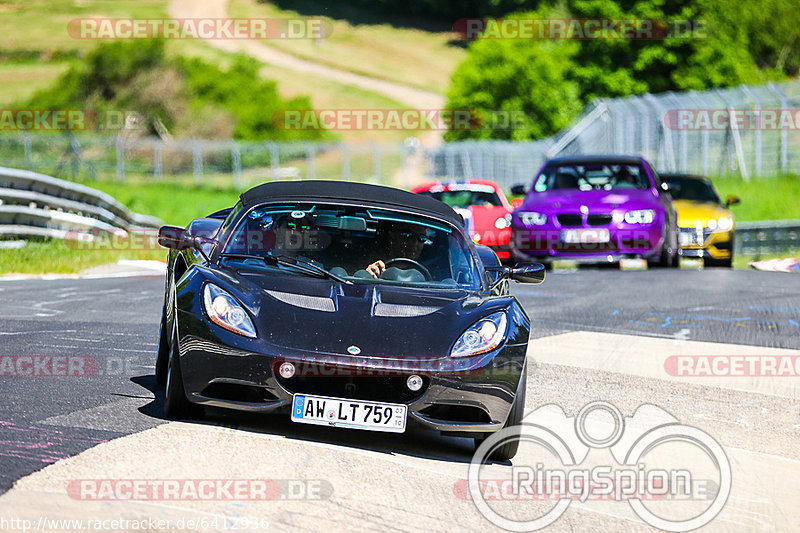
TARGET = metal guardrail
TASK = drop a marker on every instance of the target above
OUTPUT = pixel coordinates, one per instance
(34, 205)
(767, 237)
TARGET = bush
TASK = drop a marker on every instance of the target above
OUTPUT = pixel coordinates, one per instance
(187, 96)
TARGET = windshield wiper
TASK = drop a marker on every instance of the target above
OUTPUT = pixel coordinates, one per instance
(302, 266)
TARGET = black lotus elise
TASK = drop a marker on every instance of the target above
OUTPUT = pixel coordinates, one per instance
(346, 305)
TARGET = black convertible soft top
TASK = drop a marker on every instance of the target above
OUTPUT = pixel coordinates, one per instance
(355, 192)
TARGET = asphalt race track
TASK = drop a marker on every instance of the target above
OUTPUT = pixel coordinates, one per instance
(598, 334)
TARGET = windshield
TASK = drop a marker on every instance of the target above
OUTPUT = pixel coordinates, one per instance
(693, 189)
(589, 177)
(360, 245)
(466, 198)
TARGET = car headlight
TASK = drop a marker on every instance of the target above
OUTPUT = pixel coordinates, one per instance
(226, 312)
(484, 336)
(503, 222)
(532, 218)
(640, 216)
(724, 223)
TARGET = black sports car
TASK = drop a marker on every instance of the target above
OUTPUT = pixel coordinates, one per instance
(347, 305)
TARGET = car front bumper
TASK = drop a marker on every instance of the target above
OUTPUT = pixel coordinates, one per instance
(547, 242)
(464, 396)
(705, 243)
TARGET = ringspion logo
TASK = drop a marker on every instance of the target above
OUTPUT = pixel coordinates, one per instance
(674, 477)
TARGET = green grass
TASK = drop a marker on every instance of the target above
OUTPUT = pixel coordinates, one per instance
(374, 46)
(42, 24)
(56, 257)
(175, 204)
(38, 28)
(768, 198)
(20, 80)
(324, 94)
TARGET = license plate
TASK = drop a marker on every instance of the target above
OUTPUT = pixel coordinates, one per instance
(585, 236)
(354, 414)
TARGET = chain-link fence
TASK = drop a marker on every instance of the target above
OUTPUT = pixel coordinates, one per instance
(120, 158)
(746, 131)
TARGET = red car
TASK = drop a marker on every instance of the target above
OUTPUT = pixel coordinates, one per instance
(483, 205)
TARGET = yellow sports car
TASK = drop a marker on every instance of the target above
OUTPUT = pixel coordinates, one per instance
(706, 227)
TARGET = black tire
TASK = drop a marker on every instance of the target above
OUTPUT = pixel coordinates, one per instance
(665, 260)
(724, 263)
(508, 450)
(162, 358)
(176, 404)
(676, 261)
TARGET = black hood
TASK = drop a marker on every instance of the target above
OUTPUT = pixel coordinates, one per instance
(297, 316)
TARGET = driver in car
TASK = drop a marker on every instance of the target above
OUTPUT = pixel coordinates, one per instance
(403, 241)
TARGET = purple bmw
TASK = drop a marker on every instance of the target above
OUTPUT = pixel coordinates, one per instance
(596, 209)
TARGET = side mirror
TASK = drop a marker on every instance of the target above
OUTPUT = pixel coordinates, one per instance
(528, 273)
(521, 273)
(516, 203)
(518, 190)
(175, 238)
(732, 200)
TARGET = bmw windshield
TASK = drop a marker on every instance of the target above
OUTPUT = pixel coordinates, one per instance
(598, 176)
(351, 244)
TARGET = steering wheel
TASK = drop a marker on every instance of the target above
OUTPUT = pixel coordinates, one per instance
(414, 264)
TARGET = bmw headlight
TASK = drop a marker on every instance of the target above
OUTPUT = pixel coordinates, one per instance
(724, 223)
(640, 216)
(484, 336)
(225, 311)
(532, 218)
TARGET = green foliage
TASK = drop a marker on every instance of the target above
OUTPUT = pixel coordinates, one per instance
(551, 81)
(189, 97)
(513, 76)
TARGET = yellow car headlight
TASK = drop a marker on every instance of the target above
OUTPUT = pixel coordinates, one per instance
(725, 223)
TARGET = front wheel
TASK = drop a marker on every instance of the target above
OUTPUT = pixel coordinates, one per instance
(508, 450)
(162, 359)
(667, 259)
(176, 404)
(724, 263)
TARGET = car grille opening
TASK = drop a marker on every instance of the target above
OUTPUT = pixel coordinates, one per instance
(570, 220)
(586, 248)
(234, 392)
(598, 220)
(457, 413)
(377, 389)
